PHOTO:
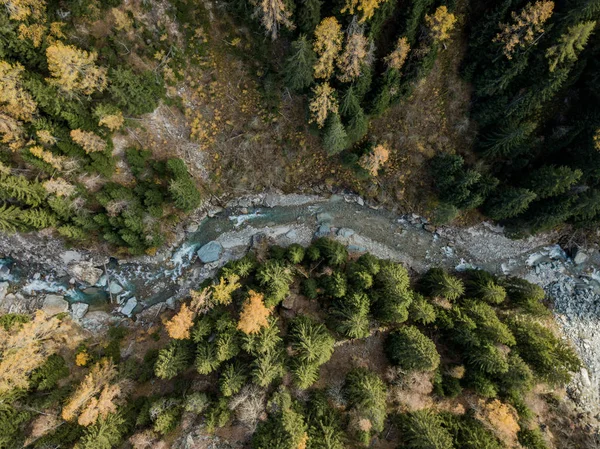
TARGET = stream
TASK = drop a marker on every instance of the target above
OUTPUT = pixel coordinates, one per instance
(36, 267)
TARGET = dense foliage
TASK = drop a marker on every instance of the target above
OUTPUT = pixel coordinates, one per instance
(235, 354)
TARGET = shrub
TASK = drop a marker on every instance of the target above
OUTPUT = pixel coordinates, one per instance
(438, 283)
(309, 288)
(410, 350)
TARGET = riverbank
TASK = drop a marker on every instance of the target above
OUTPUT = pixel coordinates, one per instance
(40, 272)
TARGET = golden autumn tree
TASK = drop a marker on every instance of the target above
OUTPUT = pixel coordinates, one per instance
(397, 58)
(273, 15)
(26, 347)
(179, 326)
(57, 162)
(323, 103)
(89, 141)
(327, 46)
(24, 9)
(221, 292)
(112, 121)
(254, 315)
(15, 100)
(525, 26)
(12, 132)
(375, 159)
(74, 70)
(355, 53)
(97, 395)
(34, 32)
(440, 23)
(367, 7)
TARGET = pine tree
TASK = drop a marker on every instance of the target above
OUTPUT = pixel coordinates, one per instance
(172, 360)
(10, 218)
(89, 141)
(409, 349)
(396, 59)
(19, 188)
(232, 379)
(309, 15)
(552, 181)
(508, 202)
(298, 69)
(438, 283)
(310, 341)
(179, 326)
(482, 286)
(352, 315)
(507, 140)
(424, 429)
(335, 138)
(327, 46)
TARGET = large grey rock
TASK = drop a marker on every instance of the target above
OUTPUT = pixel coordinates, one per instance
(4, 272)
(85, 272)
(3, 290)
(54, 304)
(97, 321)
(345, 232)
(210, 252)
(129, 306)
(151, 313)
(323, 230)
(79, 309)
(115, 288)
(580, 257)
(68, 257)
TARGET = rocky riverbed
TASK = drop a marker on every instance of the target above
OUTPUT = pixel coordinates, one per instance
(38, 271)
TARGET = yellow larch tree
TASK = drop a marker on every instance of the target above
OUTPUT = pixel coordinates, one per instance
(57, 162)
(97, 395)
(179, 326)
(221, 292)
(397, 58)
(374, 160)
(15, 100)
(200, 302)
(440, 23)
(35, 32)
(254, 315)
(12, 132)
(525, 27)
(322, 104)
(367, 7)
(327, 46)
(45, 137)
(74, 70)
(26, 347)
(25, 9)
(273, 15)
(89, 141)
(112, 121)
(354, 54)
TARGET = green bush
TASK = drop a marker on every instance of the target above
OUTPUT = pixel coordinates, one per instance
(410, 350)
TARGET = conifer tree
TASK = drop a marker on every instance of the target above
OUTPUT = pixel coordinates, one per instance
(438, 283)
(397, 58)
(273, 15)
(172, 360)
(298, 69)
(570, 44)
(352, 60)
(551, 181)
(75, 70)
(367, 7)
(409, 349)
(508, 202)
(423, 429)
(327, 46)
(323, 104)
(440, 23)
(10, 218)
(15, 100)
(507, 140)
(335, 138)
(309, 15)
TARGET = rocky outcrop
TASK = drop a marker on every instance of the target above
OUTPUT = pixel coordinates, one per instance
(85, 271)
(55, 304)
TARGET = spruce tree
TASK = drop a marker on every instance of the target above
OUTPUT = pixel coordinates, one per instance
(411, 350)
(551, 181)
(508, 202)
(309, 15)
(172, 360)
(298, 69)
(335, 138)
(424, 429)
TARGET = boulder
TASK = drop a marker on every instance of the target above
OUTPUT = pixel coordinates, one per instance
(79, 309)
(323, 230)
(96, 321)
(85, 272)
(55, 304)
(210, 252)
(580, 257)
(345, 232)
(129, 306)
(115, 288)
(151, 313)
(3, 290)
